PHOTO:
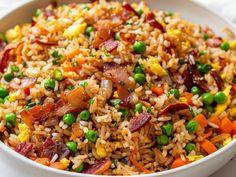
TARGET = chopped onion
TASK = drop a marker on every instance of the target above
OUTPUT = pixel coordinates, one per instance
(107, 85)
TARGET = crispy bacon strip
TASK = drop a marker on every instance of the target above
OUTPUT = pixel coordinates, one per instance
(129, 8)
(120, 76)
(150, 18)
(219, 81)
(140, 121)
(110, 45)
(172, 108)
(102, 35)
(99, 167)
(5, 55)
(24, 148)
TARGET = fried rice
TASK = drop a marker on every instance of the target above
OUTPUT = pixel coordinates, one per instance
(113, 88)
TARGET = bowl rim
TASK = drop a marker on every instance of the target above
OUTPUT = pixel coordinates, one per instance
(214, 155)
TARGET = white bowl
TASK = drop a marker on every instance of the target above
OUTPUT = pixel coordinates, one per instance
(189, 10)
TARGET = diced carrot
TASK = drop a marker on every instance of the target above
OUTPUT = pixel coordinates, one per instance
(208, 146)
(18, 59)
(188, 97)
(76, 131)
(201, 119)
(226, 126)
(215, 120)
(138, 165)
(158, 90)
(43, 161)
(208, 134)
(73, 54)
(179, 162)
(58, 165)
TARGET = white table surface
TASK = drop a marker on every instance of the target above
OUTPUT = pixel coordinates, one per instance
(225, 7)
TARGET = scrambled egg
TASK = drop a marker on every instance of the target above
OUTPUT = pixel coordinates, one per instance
(24, 132)
(152, 65)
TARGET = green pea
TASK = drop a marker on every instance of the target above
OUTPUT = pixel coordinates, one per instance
(167, 129)
(139, 12)
(195, 90)
(84, 115)
(91, 101)
(225, 46)
(37, 13)
(139, 47)
(139, 78)
(189, 147)
(3, 92)
(8, 77)
(49, 84)
(80, 168)
(69, 119)
(220, 97)
(117, 36)
(205, 37)
(138, 69)
(57, 75)
(192, 126)
(91, 136)
(175, 92)
(74, 63)
(124, 112)
(207, 98)
(15, 68)
(162, 140)
(10, 118)
(88, 30)
(72, 146)
(138, 108)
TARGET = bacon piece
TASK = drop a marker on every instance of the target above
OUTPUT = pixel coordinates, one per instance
(99, 167)
(37, 113)
(214, 42)
(101, 35)
(110, 45)
(192, 77)
(140, 121)
(172, 108)
(120, 76)
(128, 37)
(219, 81)
(50, 148)
(150, 18)
(24, 148)
(26, 82)
(129, 8)
(5, 55)
(49, 43)
(74, 100)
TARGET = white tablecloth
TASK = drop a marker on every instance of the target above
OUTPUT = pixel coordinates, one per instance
(225, 7)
